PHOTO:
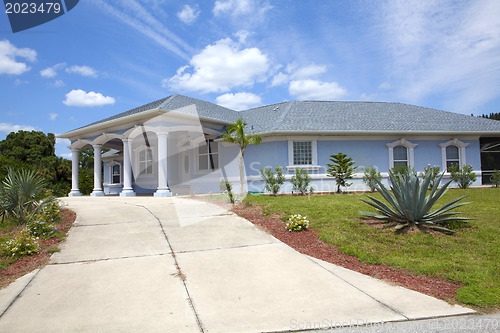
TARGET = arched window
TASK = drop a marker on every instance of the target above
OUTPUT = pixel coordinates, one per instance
(400, 155)
(115, 174)
(452, 157)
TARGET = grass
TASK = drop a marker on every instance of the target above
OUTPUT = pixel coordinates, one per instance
(470, 257)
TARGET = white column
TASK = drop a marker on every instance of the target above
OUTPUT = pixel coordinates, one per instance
(127, 190)
(75, 192)
(162, 190)
(97, 192)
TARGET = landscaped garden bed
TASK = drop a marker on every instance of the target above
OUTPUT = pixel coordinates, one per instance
(459, 268)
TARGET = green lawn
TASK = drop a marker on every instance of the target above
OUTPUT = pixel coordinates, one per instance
(470, 257)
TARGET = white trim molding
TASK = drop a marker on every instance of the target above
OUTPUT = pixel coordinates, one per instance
(405, 143)
(461, 151)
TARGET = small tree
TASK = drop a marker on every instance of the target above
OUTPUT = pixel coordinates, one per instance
(342, 170)
(370, 177)
(434, 172)
(274, 180)
(496, 178)
(464, 176)
(300, 181)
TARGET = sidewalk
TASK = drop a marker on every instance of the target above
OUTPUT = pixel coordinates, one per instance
(180, 265)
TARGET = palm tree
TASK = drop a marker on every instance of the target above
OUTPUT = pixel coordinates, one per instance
(235, 133)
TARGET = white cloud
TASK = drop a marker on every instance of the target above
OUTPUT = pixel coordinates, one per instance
(221, 67)
(18, 82)
(8, 62)
(82, 70)
(84, 99)
(53, 116)
(50, 72)
(58, 84)
(7, 128)
(252, 10)
(293, 72)
(188, 14)
(239, 101)
(446, 48)
(316, 90)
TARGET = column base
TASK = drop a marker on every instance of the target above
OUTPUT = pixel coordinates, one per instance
(75, 193)
(97, 193)
(127, 193)
(163, 193)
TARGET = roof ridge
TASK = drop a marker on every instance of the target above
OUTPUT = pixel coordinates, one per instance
(283, 115)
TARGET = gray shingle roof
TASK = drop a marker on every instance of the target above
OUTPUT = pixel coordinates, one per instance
(327, 117)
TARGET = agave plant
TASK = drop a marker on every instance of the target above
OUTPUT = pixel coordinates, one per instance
(20, 195)
(409, 206)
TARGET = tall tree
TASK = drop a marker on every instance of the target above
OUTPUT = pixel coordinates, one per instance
(235, 133)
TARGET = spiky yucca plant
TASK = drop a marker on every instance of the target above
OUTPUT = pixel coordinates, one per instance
(409, 206)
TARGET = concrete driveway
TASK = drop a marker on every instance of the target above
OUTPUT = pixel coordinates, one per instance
(181, 265)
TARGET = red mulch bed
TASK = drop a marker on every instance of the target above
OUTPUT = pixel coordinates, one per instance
(29, 263)
(308, 242)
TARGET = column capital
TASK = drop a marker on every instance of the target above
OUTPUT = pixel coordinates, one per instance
(97, 146)
(77, 150)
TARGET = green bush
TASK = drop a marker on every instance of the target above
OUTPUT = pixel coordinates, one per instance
(464, 176)
(24, 244)
(434, 172)
(370, 176)
(300, 181)
(297, 222)
(274, 179)
(496, 178)
(41, 229)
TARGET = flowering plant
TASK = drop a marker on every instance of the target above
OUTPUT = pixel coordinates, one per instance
(41, 229)
(297, 222)
(24, 244)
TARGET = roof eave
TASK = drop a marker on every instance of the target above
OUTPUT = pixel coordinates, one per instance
(356, 132)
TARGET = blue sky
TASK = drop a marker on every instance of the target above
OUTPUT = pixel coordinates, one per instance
(105, 57)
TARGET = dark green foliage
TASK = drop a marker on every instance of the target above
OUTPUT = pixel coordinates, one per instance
(35, 151)
(408, 207)
(300, 181)
(464, 176)
(433, 172)
(370, 176)
(274, 179)
(496, 178)
(342, 170)
(495, 116)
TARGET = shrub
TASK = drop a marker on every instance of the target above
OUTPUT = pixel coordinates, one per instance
(434, 174)
(297, 222)
(370, 175)
(274, 179)
(342, 170)
(24, 244)
(41, 229)
(51, 209)
(409, 207)
(403, 170)
(266, 211)
(20, 195)
(300, 181)
(464, 176)
(496, 178)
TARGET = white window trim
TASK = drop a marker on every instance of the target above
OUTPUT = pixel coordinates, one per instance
(314, 155)
(111, 165)
(197, 161)
(461, 152)
(405, 143)
(137, 161)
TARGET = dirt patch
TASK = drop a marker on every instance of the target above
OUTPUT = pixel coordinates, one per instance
(29, 263)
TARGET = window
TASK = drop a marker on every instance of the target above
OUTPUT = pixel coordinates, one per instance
(146, 162)
(401, 153)
(302, 152)
(452, 157)
(208, 155)
(453, 152)
(115, 174)
(400, 156)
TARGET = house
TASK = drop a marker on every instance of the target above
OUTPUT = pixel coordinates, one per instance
(173, 145)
